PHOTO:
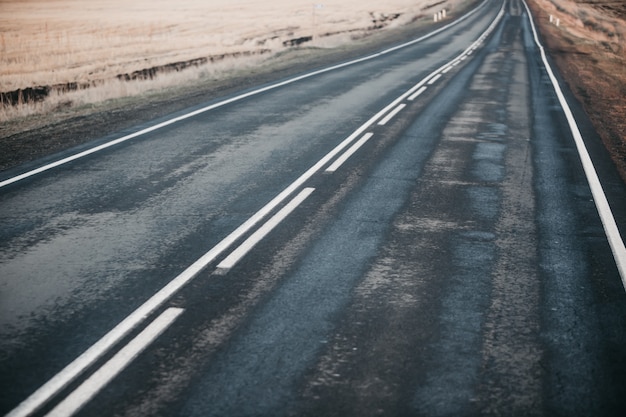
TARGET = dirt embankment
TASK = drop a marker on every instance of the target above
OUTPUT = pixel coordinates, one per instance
(589, 48)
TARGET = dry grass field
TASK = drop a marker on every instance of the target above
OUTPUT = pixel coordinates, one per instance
(50, 47)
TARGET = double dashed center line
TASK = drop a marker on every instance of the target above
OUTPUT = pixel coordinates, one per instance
(236, 255)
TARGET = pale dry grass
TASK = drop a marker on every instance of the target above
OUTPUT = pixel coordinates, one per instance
(114, 88)
(54, 42)
(45, 42)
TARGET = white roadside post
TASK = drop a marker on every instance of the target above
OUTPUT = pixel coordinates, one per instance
(315, 7)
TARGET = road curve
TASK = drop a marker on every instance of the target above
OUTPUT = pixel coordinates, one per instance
(412, 233)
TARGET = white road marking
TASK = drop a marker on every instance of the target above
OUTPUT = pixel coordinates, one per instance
(232, 259)
(434, 79)
(347, 154)
(418, 92)
(392, 114)
(602, 204)
(73, 370)
(94, 384)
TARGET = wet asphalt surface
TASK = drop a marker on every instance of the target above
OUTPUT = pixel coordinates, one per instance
(455, 264)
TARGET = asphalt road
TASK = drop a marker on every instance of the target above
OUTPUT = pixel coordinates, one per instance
(410, 234)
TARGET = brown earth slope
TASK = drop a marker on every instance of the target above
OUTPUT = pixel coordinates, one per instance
(589, 48)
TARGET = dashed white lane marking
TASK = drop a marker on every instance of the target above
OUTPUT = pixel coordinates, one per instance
(602, 205)
(347, 154)
(434, 79)
(418, 92)
(232, 259)
(392, 114)
(94, 384)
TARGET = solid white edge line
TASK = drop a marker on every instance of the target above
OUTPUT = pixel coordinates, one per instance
(68, 374)
(602, 205)
(392, 114)
(236, 255)
(228, 101)
(96, 382)
(347, 154)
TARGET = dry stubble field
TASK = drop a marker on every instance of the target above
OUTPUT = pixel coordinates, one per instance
(52, 46)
